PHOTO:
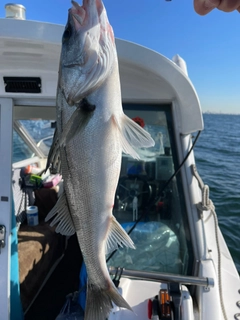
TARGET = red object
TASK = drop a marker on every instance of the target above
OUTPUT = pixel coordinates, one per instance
(160, 204)
(139, 121)
(150, 309)
(32, 169)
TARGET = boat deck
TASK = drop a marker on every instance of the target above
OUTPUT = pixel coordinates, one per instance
(64, 280)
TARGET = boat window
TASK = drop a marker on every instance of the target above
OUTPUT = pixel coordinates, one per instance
(21, 150)
(146, 193)
(29, 136)
(40, 130)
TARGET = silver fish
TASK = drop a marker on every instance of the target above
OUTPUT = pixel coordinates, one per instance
(92, 132)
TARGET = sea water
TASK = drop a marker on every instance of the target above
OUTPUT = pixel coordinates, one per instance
(217, 154)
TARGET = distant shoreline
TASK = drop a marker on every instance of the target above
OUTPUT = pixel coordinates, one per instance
(221, 113)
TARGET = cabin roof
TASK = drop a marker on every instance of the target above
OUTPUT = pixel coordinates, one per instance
(31, 48)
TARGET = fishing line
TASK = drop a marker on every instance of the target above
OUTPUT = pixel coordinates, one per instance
(180, 166)
(163, 189)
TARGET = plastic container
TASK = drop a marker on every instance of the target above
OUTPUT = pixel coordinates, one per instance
(32, 169)
(32, 216)
(52, 180)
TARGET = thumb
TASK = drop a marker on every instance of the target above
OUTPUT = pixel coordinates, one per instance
(203, 7)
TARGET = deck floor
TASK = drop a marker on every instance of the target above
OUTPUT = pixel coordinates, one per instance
(64, 280)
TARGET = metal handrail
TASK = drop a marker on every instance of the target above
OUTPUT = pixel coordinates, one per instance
(163, 277)
(27, 138)
(43, 139)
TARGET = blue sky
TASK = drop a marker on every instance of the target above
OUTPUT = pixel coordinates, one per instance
(210, 44)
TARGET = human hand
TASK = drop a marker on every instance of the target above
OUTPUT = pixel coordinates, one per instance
(203, 7)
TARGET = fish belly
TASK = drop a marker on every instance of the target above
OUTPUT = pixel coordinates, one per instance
(90, 167)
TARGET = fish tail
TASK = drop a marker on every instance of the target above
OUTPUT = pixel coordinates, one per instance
(99, 302)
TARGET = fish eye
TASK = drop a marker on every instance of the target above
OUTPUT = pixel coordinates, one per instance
(67, 34)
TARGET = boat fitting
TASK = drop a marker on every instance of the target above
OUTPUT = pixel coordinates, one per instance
(15, 11)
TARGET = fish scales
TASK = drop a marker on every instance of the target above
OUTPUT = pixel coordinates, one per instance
(92, 132)
(94, 174)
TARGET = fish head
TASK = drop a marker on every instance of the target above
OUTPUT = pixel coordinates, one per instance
(88, 50)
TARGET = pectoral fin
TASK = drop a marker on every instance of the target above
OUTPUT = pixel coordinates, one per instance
(77, 122)
(117, 236)
(132, 136)
(53, 160)
(63, 218)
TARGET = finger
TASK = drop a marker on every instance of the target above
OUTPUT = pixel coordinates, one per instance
(229, 5)
(203, 7)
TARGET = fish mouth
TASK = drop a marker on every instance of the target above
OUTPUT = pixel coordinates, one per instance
(86, 13)
(88, 50)
(78, 12)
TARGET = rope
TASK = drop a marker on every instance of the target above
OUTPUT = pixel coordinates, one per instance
(207, 205)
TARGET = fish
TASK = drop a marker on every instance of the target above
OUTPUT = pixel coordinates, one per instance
(92, 131)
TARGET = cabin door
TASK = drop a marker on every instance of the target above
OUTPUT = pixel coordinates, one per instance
(6, 116)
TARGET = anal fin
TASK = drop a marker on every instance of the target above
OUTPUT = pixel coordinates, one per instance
(117, 236)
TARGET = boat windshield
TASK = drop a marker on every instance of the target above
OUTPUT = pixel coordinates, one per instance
(149, 201)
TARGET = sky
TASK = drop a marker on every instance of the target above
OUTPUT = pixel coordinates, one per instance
(209, 44)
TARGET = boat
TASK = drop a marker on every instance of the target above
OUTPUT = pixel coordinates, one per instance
(181, 268)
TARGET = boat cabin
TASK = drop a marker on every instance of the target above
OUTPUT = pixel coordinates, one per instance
(159, 198)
